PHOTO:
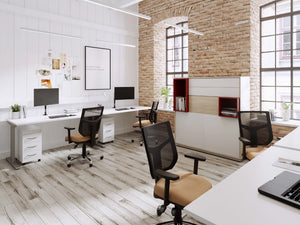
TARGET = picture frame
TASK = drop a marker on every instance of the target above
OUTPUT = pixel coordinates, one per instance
(97, 68)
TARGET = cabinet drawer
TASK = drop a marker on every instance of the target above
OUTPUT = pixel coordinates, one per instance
(32, 157)
(107, 139)
(30, 139)
(108, 132)
(32, 149)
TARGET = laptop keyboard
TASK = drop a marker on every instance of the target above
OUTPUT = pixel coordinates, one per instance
(293, 193)
(59, 116)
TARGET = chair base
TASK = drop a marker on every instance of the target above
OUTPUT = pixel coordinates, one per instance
(176, 223)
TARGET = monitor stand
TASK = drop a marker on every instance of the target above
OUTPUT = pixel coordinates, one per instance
(45, 113)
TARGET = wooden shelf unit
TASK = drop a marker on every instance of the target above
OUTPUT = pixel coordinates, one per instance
(181, 93)
(229, 106)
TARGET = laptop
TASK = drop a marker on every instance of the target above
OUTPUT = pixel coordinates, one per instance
(285, 187)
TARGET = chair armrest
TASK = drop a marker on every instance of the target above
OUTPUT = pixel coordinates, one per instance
(245, 141)
(196, 158)
(166, 175)
(69, 133)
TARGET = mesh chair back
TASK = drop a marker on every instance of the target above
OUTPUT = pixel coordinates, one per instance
(153, 112)
(256, 127)
(160, 147)
(90, 122)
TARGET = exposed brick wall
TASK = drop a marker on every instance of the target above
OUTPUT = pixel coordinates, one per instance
(166, 116)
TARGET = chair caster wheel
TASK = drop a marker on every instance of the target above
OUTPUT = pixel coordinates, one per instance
(141, 144)
(132, 141)
(160, 210)
(68, 165)
(39, 160)
(101, 157)
(69, 157)
(91, 165)
(173, 212)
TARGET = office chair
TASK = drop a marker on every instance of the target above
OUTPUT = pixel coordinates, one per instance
(88, 132)
(255, 132)
(179, 189)
(147, 118)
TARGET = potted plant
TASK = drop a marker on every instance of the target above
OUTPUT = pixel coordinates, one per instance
(165, 94)
(15, 111)
(285, 111)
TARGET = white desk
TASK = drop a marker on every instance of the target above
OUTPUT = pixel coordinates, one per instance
(236, 201)
(291, 141)
(14, 124)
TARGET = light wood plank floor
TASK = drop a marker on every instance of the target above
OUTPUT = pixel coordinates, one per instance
(116, 190)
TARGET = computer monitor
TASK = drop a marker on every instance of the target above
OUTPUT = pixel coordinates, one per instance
(46, 96)
(123, 93)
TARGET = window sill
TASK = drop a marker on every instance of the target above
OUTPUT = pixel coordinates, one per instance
(290, 123)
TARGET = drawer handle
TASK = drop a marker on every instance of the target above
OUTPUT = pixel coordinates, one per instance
(31, 138)
(31, 155)
(32, 146)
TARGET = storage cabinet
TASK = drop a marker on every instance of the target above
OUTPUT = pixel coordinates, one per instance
(181, 94)
(228, 107)
(30, 144)
(107, 130)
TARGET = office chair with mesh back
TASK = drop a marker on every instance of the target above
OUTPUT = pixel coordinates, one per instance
(88, 132)
(179, 189)
(147, 118)
(255, 132)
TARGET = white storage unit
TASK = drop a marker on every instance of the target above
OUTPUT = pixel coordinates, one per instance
(202, 128)
(30, 144)
(107, 130)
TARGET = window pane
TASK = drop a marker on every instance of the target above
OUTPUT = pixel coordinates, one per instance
(185, 53)
(178, 42)
(268, 10)
(296, 58)
(185, 66)
(296, 78)
(296, 23)
(268, 93)
(170, 31)
(185, 41)
(268, 44)
(283, 78)
(283, 42)
(296, 111)
(185, 75)
(296, 94)
(283, 6)
(268, 27)
(177, 53)
(268, 60)
(170, 43)
(177, 75)
(186, 25)
(170, 66)
(296, 39)
(283, 59)
(268, 79)
(283, 25)
(296, 5)
(177, 65)
(170, 55)
(170, 80)
(266, 106)
(283, 94)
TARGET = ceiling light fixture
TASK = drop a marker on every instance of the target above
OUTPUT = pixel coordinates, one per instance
(47, 32)
(184, 28)
(119, 10)
(119, 44)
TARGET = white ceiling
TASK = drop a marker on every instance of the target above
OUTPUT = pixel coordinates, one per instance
(121, 3)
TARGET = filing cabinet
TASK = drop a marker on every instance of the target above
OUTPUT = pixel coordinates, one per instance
(30, 144)
(107, 130)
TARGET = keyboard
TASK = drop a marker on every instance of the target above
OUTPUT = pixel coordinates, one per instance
(120, 109)
(60, 116)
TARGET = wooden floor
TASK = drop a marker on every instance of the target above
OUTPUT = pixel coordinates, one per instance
(116, 190)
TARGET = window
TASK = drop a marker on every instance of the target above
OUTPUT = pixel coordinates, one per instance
(177, 54)
(280, 56)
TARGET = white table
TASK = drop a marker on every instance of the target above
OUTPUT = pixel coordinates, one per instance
(14, 124)
(236, 201)
(291, 141)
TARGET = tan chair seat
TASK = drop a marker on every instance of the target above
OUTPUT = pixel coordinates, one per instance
(77, 138)
(184, 190)
(252, 152)
(143, 122)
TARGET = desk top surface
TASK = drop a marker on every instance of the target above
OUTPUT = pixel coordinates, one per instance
(46, 119)
(291, 141)
(236, 201)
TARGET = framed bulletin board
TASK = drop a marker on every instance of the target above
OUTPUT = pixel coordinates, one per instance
(97, 68)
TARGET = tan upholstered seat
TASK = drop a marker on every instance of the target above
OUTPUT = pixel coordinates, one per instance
(143, 123)
(184, 190)
(78, 138)
(252, 152)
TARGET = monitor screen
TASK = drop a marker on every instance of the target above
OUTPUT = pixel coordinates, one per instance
(46, 96)
(122, 93)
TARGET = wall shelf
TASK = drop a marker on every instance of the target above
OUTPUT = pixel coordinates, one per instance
(228, 107)
(181, 94)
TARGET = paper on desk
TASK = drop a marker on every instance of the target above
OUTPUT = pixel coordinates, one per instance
(286, 164)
